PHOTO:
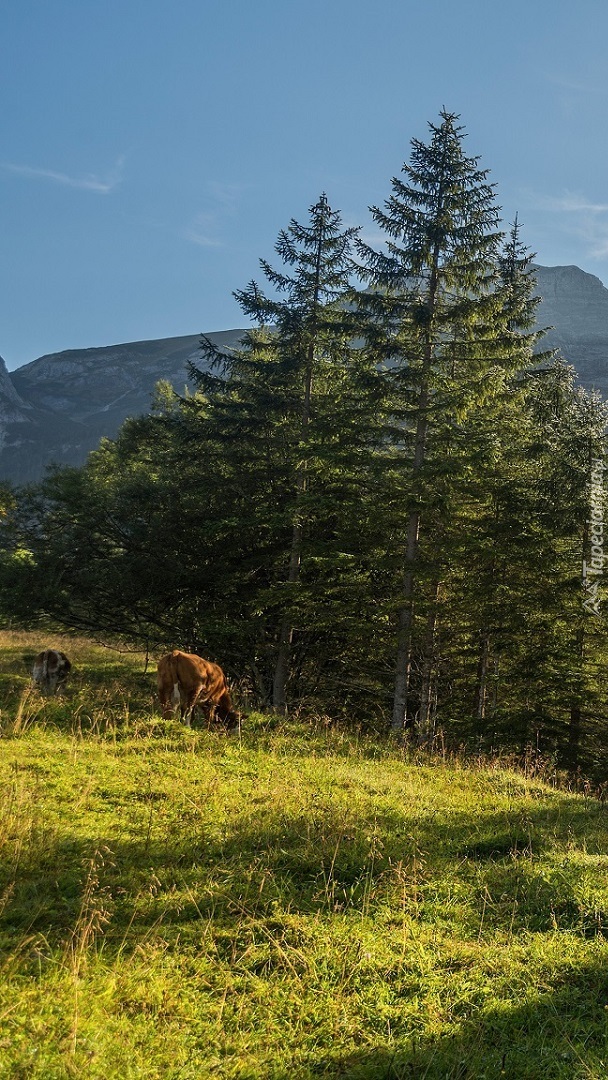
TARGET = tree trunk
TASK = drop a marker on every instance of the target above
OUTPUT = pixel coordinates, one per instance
(481, 686)
(281, 671)
(575, 726)
(428, 663)
(575, 731)
(404, 628)
(405, 618)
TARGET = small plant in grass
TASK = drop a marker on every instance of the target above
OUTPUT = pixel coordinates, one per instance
(29, 709)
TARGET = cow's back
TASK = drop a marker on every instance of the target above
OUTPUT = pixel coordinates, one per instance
(191, 670)
(200, 683)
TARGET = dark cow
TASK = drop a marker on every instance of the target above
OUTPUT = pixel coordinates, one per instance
(196, 684)
(51, 668)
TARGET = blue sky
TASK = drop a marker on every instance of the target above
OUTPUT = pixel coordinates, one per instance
(152, 150)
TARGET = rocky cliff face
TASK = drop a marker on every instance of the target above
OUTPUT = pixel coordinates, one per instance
(575, 304)
(62, 404)
(57, 408)
(13, 409)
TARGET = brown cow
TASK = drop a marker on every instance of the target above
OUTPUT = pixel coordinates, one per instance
(198, 683)
(51, 668)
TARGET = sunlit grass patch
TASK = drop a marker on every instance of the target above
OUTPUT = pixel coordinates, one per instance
(294, 900)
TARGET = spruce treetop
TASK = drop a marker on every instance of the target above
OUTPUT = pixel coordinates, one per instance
(442, 218)
(320, 254)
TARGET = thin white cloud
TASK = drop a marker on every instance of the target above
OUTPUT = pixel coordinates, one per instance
(599, 250)
(579, 86)
(90, 182)
(227, 195)
(570, 203)
(578, 218)
(374, 238)
(205, 228)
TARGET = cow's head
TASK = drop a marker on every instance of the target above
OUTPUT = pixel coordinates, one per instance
(229, 718)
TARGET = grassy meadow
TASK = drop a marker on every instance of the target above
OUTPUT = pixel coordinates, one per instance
(293, 902)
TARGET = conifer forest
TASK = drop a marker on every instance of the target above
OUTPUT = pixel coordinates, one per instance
(384, 508)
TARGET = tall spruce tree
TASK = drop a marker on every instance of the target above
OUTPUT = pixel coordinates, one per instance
(496, 439)
(433, 292)
(292, 377)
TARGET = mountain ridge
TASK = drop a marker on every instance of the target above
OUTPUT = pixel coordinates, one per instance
(56, 408)
(65, 402)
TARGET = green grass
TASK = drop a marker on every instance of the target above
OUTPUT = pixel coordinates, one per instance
(294, 902)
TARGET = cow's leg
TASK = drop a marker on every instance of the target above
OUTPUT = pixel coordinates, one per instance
(207, 707)
(165, 697)
(187, 704)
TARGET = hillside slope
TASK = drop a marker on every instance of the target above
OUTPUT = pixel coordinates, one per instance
(575, 304)
(292, 903)
(66, 402)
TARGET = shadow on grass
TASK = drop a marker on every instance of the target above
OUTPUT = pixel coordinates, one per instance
(191, 879)
(559, 1035)
(172, 865)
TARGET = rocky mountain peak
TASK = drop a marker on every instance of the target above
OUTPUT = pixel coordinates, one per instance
(57, 408)
(575, 305)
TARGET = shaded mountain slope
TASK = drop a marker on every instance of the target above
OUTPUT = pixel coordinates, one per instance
(57, 408)
(64, 403)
